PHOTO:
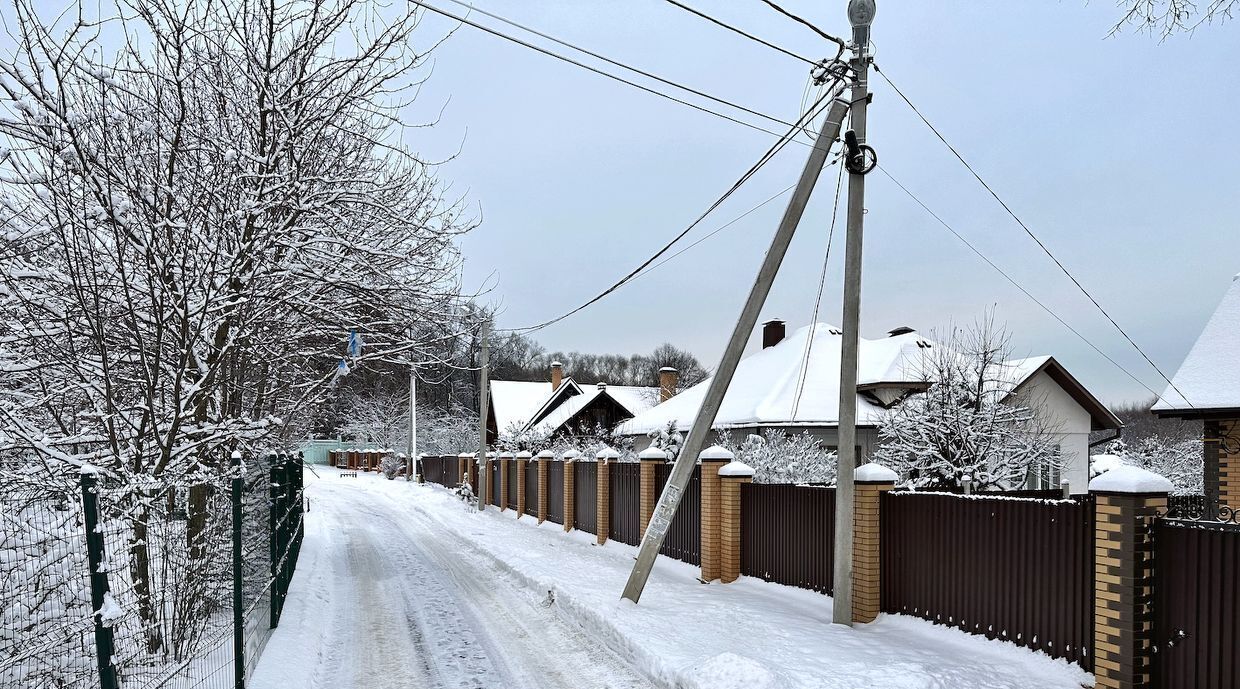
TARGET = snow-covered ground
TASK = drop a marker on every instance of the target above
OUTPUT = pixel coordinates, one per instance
(400, 585)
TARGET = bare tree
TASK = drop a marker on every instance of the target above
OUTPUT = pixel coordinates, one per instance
(971, 421)
(1167, 17)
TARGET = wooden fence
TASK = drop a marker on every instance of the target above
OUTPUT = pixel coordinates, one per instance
(1010, 569)
(788, 533)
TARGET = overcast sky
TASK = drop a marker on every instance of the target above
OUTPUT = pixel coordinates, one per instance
(1119, 152)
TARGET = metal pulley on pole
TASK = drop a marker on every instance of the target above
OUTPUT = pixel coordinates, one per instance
(859, 159)
(669, 500)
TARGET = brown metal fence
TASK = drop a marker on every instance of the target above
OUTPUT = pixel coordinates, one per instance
(531, 487)
(450, 468)
(512, 484)
(1010, 569)
(585, 496)
(684, 537)
(493, 483)
(626, 486)
(432, 469)
(788, 534)
(555, 492)
(1196, 605)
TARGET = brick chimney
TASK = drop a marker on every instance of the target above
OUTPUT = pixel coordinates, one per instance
(557, 375)
(772, 332)
(669, 378)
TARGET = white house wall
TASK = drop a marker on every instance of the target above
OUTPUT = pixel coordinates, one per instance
(1072, 424)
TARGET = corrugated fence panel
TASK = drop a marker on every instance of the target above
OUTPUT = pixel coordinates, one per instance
(684, 536)
(531, 487)
(512, 484)
(1196, 605)
(432, 469)
(788, 534)
(493, 483)
(451, 471)
(625, 502)
(555, 492)
(585, 496)
(1016, 570)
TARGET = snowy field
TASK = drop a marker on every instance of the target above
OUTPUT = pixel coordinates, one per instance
(400, 585)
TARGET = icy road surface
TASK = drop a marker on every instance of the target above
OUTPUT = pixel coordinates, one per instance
(381, 600)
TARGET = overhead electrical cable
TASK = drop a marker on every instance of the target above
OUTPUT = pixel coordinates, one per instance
(1014, 283)
(763, 160)
(729, 27)
(822, 282)
(642, 87)
(1032, 236)
(801, 20)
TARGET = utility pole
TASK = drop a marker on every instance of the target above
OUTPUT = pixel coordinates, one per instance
(413, 421)
(483, 408)
(860, 14)
(661, 519)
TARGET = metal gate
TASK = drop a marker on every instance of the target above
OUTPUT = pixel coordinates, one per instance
(1196, 604)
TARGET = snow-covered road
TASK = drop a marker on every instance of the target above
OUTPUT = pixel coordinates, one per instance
(382, 599)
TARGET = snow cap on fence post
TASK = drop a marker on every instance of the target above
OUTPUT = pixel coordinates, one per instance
(523, 455)
(653, 453)
(1126, 501)
(570, 454)
(717, 453)
(874, 473)
(546, 454)
(606, 454)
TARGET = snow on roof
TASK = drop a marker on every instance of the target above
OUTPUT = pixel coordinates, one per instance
(1210, 374)
(765, 385)
(1130, 479)
(515, 402)
(633, 398)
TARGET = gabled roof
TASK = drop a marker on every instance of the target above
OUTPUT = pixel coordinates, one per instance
(1210, 374)
(515, 402)
(770, 383)
(1101, 418)
(634, 399)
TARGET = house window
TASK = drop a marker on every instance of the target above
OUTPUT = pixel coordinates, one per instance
(1045, 474)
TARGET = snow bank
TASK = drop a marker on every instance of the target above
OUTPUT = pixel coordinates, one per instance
(1130, 479)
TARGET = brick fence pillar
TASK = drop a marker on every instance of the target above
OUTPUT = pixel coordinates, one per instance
(732, 476)
(870, 481)
(544, 463)
(1222, 461)
(570, 499)
(651, 458)
(1126, 500)
(523, 458)
(712, 459)
(602, 481)
(505, 466)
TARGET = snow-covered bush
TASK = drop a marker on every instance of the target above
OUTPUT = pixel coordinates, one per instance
(392, 464)
(778, 456)
(1179, 460)
(667, 438)
(971, 421)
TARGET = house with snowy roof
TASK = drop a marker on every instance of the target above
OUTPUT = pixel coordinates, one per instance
(792, 383)
(1206, 387)
(562, 405)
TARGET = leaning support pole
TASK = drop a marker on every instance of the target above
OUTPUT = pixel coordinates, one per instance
(683, 468)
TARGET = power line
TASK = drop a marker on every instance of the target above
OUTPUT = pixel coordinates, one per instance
(733, 29)
(582, 65)
(800, 20)
(766, 157)
(1032, 236)
(822, 282)
(1013, 281)
(621, 65)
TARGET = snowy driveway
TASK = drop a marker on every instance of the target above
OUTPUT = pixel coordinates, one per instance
(381, 600)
